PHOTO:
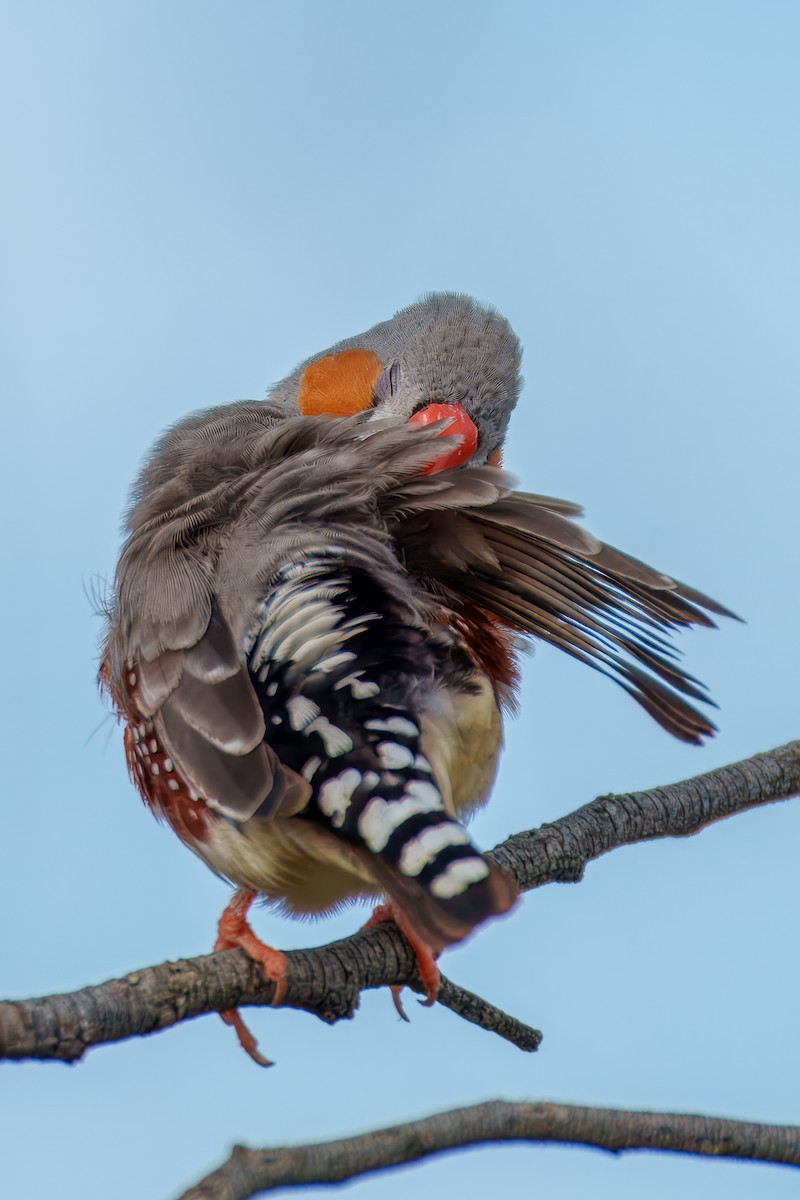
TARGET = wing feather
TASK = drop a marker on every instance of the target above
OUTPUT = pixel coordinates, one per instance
(519, 557)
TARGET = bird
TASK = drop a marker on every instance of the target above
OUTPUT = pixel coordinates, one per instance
(317, 619)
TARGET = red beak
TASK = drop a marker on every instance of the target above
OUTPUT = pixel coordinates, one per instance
(459, 423)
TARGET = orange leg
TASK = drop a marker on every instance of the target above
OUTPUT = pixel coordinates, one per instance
(234, 930)
(425, 955)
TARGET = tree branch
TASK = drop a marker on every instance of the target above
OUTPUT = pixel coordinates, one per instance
(558, 852)
(248, 1172)
(328, 981)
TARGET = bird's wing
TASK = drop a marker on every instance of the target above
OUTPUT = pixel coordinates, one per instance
(521, 557)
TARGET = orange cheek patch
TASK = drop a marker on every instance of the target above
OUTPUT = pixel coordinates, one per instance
(339, 384)
(495, 459)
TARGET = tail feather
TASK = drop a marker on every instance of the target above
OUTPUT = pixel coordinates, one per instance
(340, 695)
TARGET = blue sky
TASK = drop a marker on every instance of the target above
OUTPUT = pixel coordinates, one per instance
(195, 197)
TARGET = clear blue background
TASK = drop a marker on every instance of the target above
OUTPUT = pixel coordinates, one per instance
(195, 196)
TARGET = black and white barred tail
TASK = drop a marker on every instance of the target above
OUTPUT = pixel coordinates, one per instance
(342, 675)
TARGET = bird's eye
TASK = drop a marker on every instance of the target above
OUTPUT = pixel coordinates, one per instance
(387, 384)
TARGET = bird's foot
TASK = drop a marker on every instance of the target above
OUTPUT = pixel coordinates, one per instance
(232, 1017)
(234, 931)
(425, 955)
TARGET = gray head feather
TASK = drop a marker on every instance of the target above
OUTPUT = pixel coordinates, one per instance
(446, 348)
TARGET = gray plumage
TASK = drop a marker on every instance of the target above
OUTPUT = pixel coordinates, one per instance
(233, 501)
(446, 347)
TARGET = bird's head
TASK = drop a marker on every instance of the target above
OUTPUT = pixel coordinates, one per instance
(445, 357)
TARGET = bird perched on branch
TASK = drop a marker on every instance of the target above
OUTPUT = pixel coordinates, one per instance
(315, 623)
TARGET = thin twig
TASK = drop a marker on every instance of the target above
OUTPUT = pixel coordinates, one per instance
(250, 1172)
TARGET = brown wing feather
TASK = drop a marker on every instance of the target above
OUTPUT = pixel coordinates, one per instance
(207, 718)
(520, 558)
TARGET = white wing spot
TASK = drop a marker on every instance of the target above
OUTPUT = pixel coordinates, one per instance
(173, 785)
(336, 660)
(335, 794)
(394, 756)
(301, 712)
(335, 740)
(311, 767)
(381, 817)
(420, 789)
(153, 746)
(280, 637)
(284, 632)
(314, 638)
(364, 690)
(398, 725)
(315, 649)
(422, 849)
(359, 689)
(167, 764)
(458, 876)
